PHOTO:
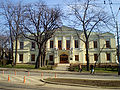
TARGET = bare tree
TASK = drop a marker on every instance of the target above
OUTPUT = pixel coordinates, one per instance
(3, 45)
(89, 17)
(41, 22)
(13, 16)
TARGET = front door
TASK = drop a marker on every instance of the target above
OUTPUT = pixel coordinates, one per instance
(64, 58)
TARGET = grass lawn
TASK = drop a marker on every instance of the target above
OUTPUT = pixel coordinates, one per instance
(49, 67)
(97, 70)
(27, 66)
(103, 83)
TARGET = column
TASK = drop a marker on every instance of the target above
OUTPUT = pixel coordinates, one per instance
(71, 42)
(48, 44)
(55, 42)
(63, 43)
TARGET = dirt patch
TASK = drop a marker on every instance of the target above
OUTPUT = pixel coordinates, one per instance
(104, 83)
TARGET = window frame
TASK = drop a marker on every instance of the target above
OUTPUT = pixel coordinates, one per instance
(108, 56)
(32, 55)
(33, 45)
(20, 56)
(95, 44)
(51, 43)
(76, 44)
(76, 57)
(95, 57)
(60, 44)
(51, 56)
(21, 45)
(107, 44)
(67, 44)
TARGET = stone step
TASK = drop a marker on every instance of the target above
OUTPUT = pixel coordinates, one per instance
(62, 67)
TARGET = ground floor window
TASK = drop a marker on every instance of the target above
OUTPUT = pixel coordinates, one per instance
(76, 57)
(20, 57)
(108, 56)
(95, 57)
(51, 57)
(32, 57)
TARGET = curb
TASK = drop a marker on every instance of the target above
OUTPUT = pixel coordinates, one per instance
(78, 85)
(59, 72)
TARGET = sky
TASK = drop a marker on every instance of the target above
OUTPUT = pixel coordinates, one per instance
(64, 7)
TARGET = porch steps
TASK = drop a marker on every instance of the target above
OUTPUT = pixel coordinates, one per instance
(62, 67)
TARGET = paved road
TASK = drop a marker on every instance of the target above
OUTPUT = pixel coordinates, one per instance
(46, 75)
(11, 86)
(32, 82)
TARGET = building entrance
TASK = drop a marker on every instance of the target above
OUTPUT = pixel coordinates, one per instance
(64, 58)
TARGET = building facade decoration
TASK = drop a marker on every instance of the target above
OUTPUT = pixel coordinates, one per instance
(65, 47)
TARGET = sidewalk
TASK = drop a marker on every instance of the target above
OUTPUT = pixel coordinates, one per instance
(59, 72)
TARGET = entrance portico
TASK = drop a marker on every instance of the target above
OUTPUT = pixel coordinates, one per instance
(64, 58)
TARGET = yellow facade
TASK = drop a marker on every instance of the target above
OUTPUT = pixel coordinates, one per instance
(70, 34)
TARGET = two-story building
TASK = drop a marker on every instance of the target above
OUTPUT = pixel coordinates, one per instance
(65, 47)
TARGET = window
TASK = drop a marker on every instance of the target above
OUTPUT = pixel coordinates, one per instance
(95, 57)
(95, 44)
(67, 44)
(21, 45)
(60, 45)
(108, 56)
(76, 43)
(107, 44)
(76, 57)
(33, 45)
(20, 57)
(32, 57)
(86, 58)
(51, 57)
(51, 44)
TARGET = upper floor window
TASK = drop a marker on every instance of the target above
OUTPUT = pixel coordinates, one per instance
(108, 56)
(33, 45)
(67, 44)
(95, 44)
(21, 45)
(76, 43)
(51, 43)
(107, 44)
(95, 57)
(32, 57)
(20, 57)
(60, 45)
(76, 57)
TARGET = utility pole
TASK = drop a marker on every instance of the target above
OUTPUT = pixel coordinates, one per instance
(118, 48)
(117, 30)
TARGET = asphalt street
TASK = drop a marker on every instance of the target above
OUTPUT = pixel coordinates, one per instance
(11, 86)
(61, 75)
(33, 82)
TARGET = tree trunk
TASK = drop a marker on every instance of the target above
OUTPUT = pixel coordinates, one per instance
(38, 59)
(87, 55)
(11, 38)
(15, 50)
(44, 54)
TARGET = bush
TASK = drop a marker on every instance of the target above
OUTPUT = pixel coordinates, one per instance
(4, 62)
(74, 67)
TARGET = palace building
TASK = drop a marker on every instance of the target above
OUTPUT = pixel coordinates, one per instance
(65, 48)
